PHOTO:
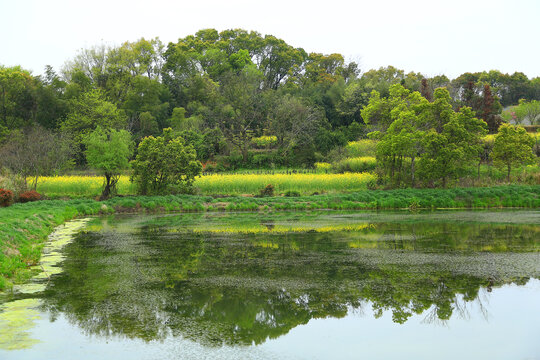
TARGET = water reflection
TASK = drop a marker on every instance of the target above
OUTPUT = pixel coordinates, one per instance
(243, 279)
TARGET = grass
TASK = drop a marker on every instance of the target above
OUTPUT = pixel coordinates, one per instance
(24, 227)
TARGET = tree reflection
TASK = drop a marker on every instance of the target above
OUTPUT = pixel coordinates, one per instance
(243, 288)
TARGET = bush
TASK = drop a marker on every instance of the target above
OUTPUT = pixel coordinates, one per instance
(6, 197)
(268, 190)
(292, 193)
(29, 196)
(356, 164)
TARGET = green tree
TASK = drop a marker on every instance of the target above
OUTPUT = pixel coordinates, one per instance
(17, 98)
(242, 113)
(165, 163)
(524, 111)
(86, 113)
(447, 154)
(512, 147)
(108, 151)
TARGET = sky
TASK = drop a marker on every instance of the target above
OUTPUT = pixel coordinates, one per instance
(432, 37)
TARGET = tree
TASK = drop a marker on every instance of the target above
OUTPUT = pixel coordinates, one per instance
(17, 99)
(425, 90)
(513, 146)
(86, 113)
(165, 163)
(490, 109)
(108, 151)
(448, 153)
(36, 152)
(293, 122)
(413, 127)
(242, 111)
(524, 111)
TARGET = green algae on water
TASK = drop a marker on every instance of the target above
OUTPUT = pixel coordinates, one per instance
(18, 317)
(16, 320)
(52, 256)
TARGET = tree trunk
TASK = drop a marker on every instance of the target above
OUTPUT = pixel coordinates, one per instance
(508, 174)
(107, 189)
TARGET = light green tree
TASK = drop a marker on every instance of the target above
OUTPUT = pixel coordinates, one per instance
(512, 147)
(108, 151)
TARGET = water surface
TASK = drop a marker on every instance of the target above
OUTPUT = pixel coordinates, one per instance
(323, 285)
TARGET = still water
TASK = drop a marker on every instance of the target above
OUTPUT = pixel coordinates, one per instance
(321, 285)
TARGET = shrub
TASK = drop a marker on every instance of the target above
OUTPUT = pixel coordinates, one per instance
(356, 164)
(6, 197)
(268, 190)
(29, 196)
(291, 193)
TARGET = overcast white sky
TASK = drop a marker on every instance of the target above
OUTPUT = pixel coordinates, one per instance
(429, 36)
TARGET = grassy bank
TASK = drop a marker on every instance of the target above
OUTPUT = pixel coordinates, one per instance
(24, 227)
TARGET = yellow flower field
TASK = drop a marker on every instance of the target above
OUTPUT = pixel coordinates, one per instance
(230, 184)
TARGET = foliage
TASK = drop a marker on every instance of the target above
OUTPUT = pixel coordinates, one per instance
(17, 99)
(108, 151)
(265, 141)
(525, 111)
(6, 197)
(268, 190)
(226, 91)
(513, 146)
(165, 164)
(443, 142)
(355, 164)
(36, 152)
(29, 196)
(365, 147)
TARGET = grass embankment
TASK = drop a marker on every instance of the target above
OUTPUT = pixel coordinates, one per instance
(217, 184)
(24, 227)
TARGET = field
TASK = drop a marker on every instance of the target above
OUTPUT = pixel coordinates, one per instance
(217, 184)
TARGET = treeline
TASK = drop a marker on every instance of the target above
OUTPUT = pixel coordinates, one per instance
(226, 92)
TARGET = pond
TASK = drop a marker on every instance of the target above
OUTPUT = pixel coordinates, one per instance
(318, 285)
